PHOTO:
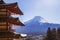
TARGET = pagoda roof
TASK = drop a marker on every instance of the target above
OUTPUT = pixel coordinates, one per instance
(11, 6)
(15, 11)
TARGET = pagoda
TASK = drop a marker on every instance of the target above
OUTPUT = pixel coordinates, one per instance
(7, 21)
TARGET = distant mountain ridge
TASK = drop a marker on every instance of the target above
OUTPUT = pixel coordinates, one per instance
(35, 26)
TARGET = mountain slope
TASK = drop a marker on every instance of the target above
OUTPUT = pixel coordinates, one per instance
(35, 26)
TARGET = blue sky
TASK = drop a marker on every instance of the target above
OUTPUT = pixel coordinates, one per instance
(48, 9)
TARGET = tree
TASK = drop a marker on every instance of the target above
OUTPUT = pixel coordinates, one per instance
(58, 33)
(49, 34)
(54, 34)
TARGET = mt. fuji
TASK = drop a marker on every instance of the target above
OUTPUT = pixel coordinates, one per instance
(35, 26)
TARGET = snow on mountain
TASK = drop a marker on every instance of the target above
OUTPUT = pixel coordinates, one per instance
(36, 26)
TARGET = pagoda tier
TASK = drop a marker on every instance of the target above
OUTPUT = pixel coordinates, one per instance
(13, 8)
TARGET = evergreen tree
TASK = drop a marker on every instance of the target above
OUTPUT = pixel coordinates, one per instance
(54, 34)
(58, 34)
(49, 34)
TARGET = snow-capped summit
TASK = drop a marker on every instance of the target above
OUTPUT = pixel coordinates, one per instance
(36, 19)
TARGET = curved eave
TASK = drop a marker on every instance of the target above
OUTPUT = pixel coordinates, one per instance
(16, 23)
(15, 11)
